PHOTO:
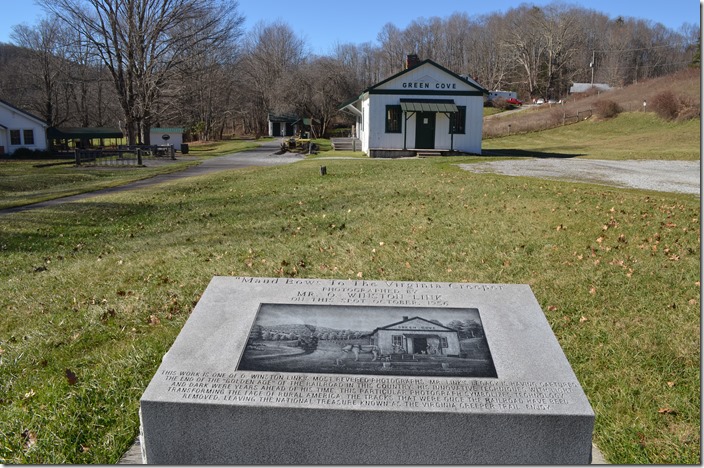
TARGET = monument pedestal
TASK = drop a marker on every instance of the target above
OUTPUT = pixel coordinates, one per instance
(305, 371)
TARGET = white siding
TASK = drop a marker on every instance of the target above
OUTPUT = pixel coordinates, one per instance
(13, 119)
(435, 84)
(365, 127)
(374, 132)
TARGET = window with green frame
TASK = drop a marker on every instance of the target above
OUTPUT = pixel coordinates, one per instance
(458, 120)
(393, 119)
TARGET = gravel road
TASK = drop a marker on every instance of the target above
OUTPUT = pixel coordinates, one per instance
(661, 176)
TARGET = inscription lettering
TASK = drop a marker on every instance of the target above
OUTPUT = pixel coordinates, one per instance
(362, 391)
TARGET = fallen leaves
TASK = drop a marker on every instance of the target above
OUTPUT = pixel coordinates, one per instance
(667, 410)
(71, 377)
(29, 439)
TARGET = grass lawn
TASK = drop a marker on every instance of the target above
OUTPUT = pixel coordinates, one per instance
(21, 183)
(220, 148)
(93, 293)
(631, 135)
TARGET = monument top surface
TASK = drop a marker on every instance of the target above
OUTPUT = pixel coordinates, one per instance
(369, 345)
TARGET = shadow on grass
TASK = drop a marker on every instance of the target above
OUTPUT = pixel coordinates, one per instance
(518, 153)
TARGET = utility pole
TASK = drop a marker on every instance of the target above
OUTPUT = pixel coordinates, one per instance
(591, 65)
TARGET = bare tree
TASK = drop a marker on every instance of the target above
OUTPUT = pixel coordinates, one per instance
(321, 85)
(141, 42)
(271, 51)
(45, 71)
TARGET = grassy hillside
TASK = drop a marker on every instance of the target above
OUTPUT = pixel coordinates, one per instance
(631, 135)
(94, 293)
(684, 84)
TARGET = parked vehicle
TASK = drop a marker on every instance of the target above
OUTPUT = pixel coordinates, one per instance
(514, 101)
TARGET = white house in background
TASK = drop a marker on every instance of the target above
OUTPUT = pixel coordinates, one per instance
(424, 108)
(20, 129)
(166, 136)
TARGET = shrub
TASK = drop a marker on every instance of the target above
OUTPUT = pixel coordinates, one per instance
(26, 153)
(666, 105)
(607, 109)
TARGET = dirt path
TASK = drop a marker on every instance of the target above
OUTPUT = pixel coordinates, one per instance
(662, 176)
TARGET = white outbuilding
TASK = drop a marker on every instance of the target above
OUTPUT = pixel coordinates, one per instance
(20, 129)
(425, 109)
(166, 136)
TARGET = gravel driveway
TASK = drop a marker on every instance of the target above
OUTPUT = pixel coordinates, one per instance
(661, 176)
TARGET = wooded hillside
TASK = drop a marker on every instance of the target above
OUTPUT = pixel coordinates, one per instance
(207, 74)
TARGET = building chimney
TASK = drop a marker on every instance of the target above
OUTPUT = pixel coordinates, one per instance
(405, 317)
(411, 61)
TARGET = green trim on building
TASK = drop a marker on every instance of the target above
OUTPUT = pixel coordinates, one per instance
(407, 92)
(166, 130)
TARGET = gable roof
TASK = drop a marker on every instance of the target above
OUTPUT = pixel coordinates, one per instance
(23, 112)
(412, 319)
(440, 67)
(350, 104)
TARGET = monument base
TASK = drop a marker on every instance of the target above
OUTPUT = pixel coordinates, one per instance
(282, 371)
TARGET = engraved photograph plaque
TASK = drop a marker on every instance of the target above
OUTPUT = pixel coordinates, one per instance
(373, 340)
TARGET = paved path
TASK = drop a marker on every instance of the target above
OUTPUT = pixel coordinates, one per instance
(261, 156)
(662, 176)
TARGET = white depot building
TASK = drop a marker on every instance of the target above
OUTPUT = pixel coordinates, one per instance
(423, 109)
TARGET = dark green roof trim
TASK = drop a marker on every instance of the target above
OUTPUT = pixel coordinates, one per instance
(453, 74)
(166, 130)
(406, 92)
(287, 118)
(83, 132)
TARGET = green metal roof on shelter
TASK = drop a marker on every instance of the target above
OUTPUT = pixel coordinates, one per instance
(57, 133)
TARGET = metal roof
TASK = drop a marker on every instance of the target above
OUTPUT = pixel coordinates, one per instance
(166, 130)
(428, 105)
(83, 132)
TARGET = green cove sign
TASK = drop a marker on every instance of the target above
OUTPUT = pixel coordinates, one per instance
(427, 85)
